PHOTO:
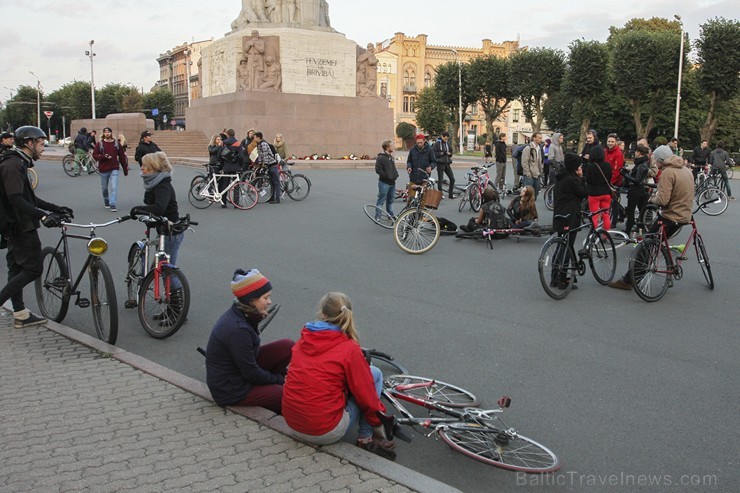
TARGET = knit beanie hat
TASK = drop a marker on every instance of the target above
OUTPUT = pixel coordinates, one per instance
(572, 162)
(249, 285)
(662, 153)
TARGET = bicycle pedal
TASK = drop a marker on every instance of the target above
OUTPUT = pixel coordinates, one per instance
(682, 258)
(130, 304)
(83, 303)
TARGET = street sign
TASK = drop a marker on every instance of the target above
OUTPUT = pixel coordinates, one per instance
(48, 113)
(155, 112)
(164, 118)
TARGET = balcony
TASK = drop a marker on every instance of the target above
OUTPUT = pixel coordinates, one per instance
(410, 88)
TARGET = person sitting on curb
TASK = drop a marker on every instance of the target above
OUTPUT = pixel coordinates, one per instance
(239, 370)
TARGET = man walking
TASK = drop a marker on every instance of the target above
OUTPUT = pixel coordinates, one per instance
(146, 146)
(20, 214)
(443, 156)
(532, 163)
(109, 153)
(500, 149)
(421, 161)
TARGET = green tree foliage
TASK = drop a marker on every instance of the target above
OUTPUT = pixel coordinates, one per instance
(536, 74)
(21, 109)
(163, 100)
(110, 99)
(642, 62)
(405, 131)
(718, 54)
(586, 80)
(431, 113)
(655, 24)
(490, 84)
(446, 83)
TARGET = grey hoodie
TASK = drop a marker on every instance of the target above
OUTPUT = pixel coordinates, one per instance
(556, 152)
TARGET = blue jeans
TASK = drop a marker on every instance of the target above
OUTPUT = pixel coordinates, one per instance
(275, 179)
(534, 183)
(172, 247)
(386, 193)
(109, 180)
(355, 414)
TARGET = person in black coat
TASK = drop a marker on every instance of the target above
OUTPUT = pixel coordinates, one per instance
(637, 196)
(569, 194)
(592, 139)
(146, 146)
(385, 167)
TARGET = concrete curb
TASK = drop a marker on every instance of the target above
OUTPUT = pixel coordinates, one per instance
(354, 455)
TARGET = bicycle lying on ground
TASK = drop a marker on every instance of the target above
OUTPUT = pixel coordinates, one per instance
(653, 267)
(558, 264)
(205, 190)
(55, 287)
(87, 163)
(151, 280)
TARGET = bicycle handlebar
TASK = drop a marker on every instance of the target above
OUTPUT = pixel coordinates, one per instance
(91, 225)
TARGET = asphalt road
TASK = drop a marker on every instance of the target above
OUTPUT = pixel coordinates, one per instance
(623, 391)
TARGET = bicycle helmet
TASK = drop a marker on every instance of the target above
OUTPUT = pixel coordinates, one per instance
(26, 133)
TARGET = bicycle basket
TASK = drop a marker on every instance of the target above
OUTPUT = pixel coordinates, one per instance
(431, 198)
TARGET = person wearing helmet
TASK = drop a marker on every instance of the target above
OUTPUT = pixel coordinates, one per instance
(21, 212)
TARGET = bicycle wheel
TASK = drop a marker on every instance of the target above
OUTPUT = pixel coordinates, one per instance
(475, 198)
(649, 216)
(92, 166)
(264, 188)
(33, 178)
(431, 390)
(602, 256)
(197, 195)
(163, 312)
(68, 163)
(52, 288)
(386, 364)
(719, 198)
(500, 448)
(416, 231)
(134, 274)
(730, 172)
(701, 254)
(271, 312)
(379, 216)
(650, 270)
(243, 195)
(103, 301)
(299, 187)
(464, 199)
(550, 198)
(554, 267)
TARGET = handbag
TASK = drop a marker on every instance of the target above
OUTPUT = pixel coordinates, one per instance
(612, 190)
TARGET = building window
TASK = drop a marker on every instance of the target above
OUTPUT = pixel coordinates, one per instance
(405, 104)
(474, 109)
(412, 100)
(383, 90)
(515, 117)
(406, 78)
(427, 80)
(413, 78)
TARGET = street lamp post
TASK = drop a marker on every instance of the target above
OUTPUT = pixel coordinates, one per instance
(92, 76)
(38, 99)
(459, 96)
(11, 91)
(188, 62)
(680, 70)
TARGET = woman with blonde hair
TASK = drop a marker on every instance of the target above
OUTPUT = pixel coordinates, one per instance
(330, 387)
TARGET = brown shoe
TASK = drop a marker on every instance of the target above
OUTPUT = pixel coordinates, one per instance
(620, 284)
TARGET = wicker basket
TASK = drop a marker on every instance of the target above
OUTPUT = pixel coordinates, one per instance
(432, 198)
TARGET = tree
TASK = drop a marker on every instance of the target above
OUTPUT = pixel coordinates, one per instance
(490, 85)
(536, 74)
(162, 100)
(641, 61)
(431, 114)
(405, 131)
(21, 109)
(447, 84)
(586, 80)
(718, 56)
(654, 24)
(110, 99)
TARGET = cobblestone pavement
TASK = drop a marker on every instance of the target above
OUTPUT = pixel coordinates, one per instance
(75, 419)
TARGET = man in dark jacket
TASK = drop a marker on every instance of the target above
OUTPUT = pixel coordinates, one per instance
(421, 161)
(146, 146)
(569, 194)
(20, 214)
(82, 147)
(385, 167)
(635, 179)
(699, 157)
(443, 156)
(500, 147)
(6, 142)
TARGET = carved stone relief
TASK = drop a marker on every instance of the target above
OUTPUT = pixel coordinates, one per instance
(259, 67)
(367, 71)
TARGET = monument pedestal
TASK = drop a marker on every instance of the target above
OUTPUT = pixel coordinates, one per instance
(311, 124)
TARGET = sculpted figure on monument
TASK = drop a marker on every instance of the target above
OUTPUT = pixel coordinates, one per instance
(273, 79)
(273, 12)
(324, 14)
(293, 7)
(252, 11)
(254, 51)
(367, 72)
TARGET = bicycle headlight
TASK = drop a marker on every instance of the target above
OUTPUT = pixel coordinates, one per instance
(97, 247)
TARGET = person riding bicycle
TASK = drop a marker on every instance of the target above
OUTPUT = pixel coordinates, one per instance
(569, 194)
(240, 371)
(635, 180)
(421, 161)
(330, 386)
(675, 196)
(492, 215)
(82, 147)
(21, 211)
(522, 210)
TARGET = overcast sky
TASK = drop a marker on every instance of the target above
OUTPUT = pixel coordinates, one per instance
(49, 37)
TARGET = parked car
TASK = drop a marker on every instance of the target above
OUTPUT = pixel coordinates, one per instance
(65, 142)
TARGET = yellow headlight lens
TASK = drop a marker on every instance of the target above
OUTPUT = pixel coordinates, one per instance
(97, 247)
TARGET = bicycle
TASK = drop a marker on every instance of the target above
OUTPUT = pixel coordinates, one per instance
(55, 287)
(33, 177)
(558, 260)
(452, 414)
(416, 230)
(296, 186)
(708, 191)
(204, 191)
(162, 308)
(478, 180)
(87, 162)
(652, 267)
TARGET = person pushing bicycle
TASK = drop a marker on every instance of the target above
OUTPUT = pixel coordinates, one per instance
(675, 196)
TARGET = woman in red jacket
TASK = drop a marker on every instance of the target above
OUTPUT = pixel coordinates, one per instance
(330, 386)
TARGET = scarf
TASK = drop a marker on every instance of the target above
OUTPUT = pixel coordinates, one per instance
(153, 179)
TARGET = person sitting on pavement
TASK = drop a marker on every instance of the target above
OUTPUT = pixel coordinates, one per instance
(675, 196)
(522, 209)
(569, 194)
(330, 386)
(421, 161)
(240, 371)
(492, 214)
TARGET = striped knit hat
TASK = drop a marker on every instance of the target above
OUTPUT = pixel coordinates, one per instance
(249, 285)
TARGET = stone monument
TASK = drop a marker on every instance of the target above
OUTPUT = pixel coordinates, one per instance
(283, 68)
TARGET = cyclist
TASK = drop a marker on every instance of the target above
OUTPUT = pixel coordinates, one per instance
(266, 157)
(82, 147)
(675, 197)
(330, 387)
(635, 179)
(719, 159)
(421, 161)
(240, 371)
(385, 167)
(20, 213)
(568, 193)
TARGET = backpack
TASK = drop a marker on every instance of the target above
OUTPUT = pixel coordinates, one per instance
(494, 217)
(115, 143)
